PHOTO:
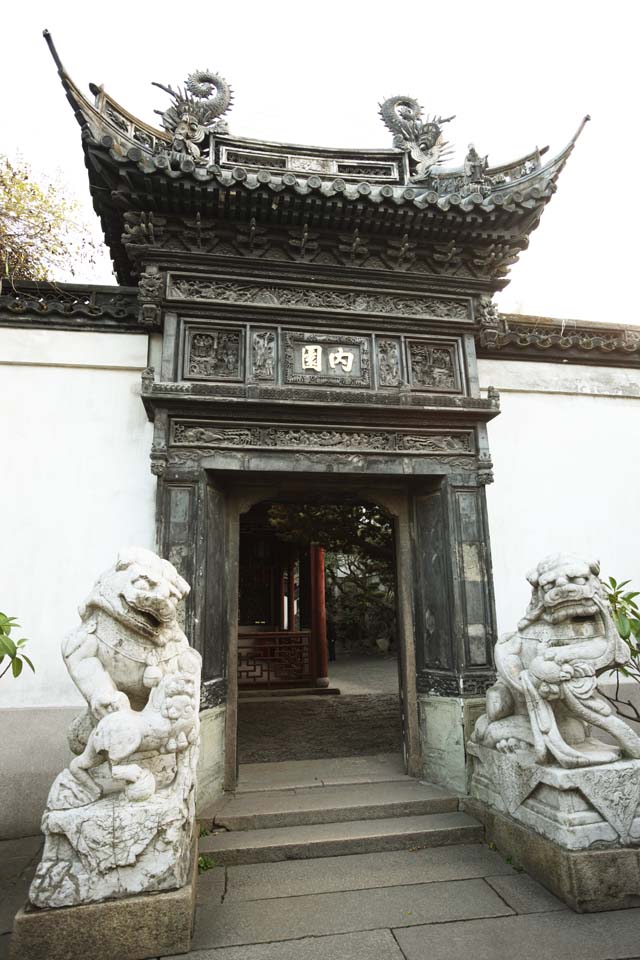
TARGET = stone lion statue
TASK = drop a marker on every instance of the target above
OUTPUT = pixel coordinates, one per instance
(119, 819)
(128, 641)
(546, 697)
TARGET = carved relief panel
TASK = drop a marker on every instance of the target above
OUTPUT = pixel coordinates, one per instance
(214, 353)
(452, 446)
(389, 362)
(261, 354)
(433, 366)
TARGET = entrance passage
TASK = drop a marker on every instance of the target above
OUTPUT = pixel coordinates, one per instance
(317, 637)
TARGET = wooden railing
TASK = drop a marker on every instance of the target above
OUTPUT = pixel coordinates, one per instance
(275, 658)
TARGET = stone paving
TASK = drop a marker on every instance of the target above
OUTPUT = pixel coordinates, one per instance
(18, 860)
(444, 903)
(459, 902)
(324, 727)
(355, 675)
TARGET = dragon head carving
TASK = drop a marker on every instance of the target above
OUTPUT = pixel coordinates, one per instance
(196, 110)
(422, 139)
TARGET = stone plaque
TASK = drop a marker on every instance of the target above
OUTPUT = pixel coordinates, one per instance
(214, 353)
(339, 360)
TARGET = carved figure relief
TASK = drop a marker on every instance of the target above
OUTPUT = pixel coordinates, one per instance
(151, 286)
(150, 292)
(475, 166)
(119, 820)
(546, 697)
(184, 433)
(432, 367)
(438, 443)
(215, 355)
(263, 354)
(389, 363)
(190, 433)
(487, 313)
(116, 118)
(228, 291)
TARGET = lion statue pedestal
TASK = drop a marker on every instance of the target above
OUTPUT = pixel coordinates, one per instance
(119, 821)
(550, 789)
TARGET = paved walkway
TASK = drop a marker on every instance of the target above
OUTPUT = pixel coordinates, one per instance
(456, 902)
(362, 675)
(18, 861)
(446, 903)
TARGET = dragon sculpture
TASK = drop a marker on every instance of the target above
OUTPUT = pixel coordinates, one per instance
(421, 139)
(196, 111)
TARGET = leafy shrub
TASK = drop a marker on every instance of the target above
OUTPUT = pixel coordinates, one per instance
(13, 649)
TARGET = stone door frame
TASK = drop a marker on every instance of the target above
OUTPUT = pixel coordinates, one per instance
(445, 589)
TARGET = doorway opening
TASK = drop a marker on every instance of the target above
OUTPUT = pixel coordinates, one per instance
(318, 638)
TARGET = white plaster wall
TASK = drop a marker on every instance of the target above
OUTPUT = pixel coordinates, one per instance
(566, 453)
(75, 485)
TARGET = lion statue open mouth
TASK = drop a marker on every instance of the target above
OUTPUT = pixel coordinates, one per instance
(546, 696)
(119, 819)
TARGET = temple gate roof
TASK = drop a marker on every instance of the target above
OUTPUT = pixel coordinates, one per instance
(475, 218)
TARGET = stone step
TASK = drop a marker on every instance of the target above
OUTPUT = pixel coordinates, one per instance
(296, 774)
(338, 839)
(284, 693)
(331, 804)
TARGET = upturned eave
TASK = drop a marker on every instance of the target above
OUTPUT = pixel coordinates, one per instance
(132, 166)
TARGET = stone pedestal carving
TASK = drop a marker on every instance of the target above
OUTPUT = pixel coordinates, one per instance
(535, 756)
(119, 820)
(579, 808)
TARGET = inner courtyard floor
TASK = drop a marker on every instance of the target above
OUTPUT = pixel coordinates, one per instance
(363, 719)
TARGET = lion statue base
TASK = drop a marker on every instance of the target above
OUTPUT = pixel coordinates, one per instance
(534, 752)
(119, 820)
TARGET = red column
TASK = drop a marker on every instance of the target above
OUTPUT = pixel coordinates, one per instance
(291, 593)
(281, 596)
(319, 615)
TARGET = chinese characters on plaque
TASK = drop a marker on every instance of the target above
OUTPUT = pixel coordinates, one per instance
(327, 359)
(338, 359)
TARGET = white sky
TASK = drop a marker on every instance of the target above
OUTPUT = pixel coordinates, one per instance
(516, 75)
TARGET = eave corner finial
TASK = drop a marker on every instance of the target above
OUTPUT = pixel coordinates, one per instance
(52, 50)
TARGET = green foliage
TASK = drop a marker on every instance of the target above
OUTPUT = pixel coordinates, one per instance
(626, 616)
(361, 600)
(205, 862)
(340, 528)
(13, 649)
(359, 566)
(39, 231)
